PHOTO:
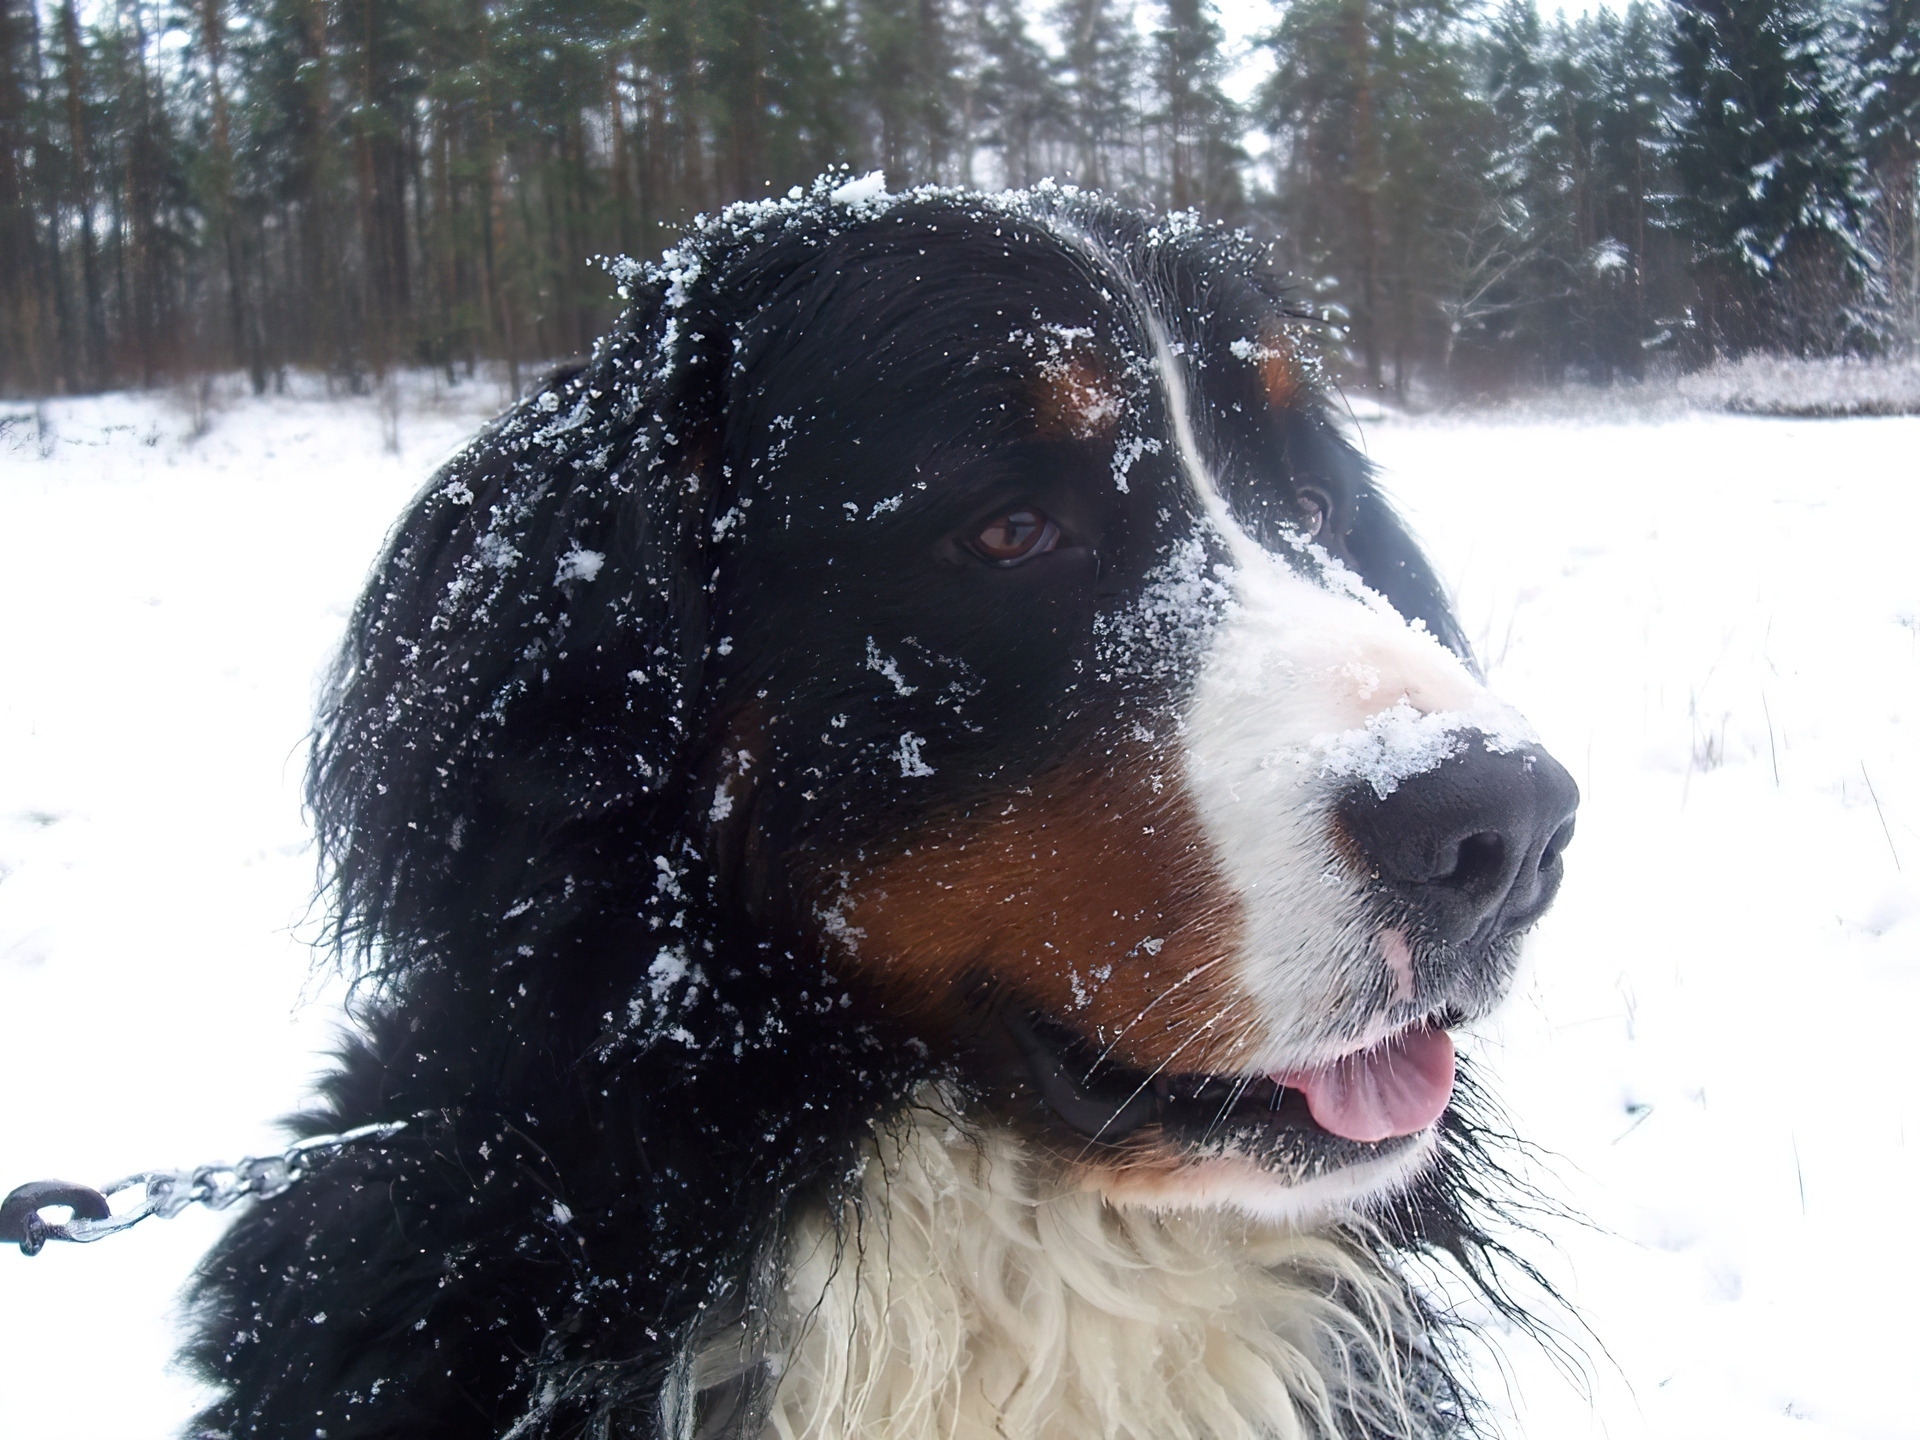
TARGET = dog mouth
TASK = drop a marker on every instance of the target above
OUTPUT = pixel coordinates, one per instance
(1370, 1099)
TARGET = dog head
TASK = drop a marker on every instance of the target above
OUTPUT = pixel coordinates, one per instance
(974, 595)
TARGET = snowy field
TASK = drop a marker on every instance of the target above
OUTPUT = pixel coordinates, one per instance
(1714, 621)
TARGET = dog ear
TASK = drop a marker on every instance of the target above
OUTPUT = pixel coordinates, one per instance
(528, 653)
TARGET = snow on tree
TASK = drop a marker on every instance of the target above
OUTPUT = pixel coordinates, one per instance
(1888, 49)
(1772, 191)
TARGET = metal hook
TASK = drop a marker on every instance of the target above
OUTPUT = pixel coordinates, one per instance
(20, 1221)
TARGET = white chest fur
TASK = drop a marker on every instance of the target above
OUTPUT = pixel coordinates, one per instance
(964, 1298)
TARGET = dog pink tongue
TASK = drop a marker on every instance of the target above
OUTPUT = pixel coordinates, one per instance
(1398, 1087)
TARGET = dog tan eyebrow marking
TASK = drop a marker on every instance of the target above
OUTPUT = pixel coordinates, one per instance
(1074, 397)
(1276, 359)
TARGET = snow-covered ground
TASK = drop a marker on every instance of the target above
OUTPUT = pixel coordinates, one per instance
(1715, 622)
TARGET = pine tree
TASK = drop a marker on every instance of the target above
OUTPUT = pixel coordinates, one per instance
(1022, 110)
(1200, 153)
(1634, 73)
(1889, 62)
(226, 244)
(86, 350)
(907, 85)
(776, 92)
(1099, 74)
(1888, 48)
(135, 141)
(1512, 259)
(1382, 146)
(1318, 109)
(24, 321)
(1771, 187)
(1556, 279)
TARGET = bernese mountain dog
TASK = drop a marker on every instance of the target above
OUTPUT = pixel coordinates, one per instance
(911, 835)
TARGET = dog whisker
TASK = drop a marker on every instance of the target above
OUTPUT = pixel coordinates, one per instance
(1177, 985)
(1152, 1075)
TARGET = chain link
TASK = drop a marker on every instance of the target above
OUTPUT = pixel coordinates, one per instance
(167, 1192)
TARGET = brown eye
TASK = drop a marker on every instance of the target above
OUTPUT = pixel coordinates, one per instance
(1314, 507)
(1016, 536)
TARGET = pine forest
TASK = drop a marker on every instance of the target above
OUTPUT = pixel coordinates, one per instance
(1479, 197)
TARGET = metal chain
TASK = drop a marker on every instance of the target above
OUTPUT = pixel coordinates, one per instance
(166, 1192)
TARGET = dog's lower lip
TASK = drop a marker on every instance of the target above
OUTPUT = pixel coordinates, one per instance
(1098, 1119)
(1360, 1098)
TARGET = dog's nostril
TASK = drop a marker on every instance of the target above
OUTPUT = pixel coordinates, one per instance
(1478, 859)
(1561, 838)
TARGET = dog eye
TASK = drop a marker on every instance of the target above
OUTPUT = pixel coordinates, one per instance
(1314, 507)
(1016, 536)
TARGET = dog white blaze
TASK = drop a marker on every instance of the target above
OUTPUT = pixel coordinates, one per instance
(1310, 682)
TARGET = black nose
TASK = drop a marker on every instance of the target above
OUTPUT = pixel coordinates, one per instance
(1473, 845)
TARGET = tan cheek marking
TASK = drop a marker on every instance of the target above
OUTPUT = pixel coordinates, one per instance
(1075, 399)
(1095, 898)
(1152, 1173)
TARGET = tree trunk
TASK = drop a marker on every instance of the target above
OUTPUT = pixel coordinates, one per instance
(619, 160)
(22, 335)
(1364, 183)
(92, 370)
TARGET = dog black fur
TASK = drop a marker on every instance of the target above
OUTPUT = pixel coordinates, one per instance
(664, 650)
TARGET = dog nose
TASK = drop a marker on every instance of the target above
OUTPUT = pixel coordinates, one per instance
(1473, 845)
